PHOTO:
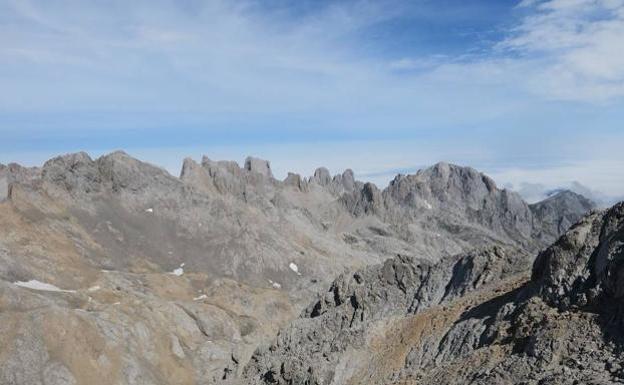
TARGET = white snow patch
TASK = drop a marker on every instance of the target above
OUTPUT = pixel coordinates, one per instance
(203, 296)
(275, 284)
(179, 271)
(117, 303)
(294, 268)
(41, 286)
(150, 210)
(94, 288)
(428, 205)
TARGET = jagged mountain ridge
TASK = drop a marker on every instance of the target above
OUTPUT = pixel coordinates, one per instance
(196, 271)
(457, 194)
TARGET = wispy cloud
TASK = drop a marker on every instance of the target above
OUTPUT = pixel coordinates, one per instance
(576, 45)
(238, 56)
(218, 56)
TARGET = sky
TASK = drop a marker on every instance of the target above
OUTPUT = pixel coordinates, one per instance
(530, 92)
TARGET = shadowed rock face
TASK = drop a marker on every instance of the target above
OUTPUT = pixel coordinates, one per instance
(158, 279)
(584, 267)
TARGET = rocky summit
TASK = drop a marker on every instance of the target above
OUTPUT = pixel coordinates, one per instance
(113, 271)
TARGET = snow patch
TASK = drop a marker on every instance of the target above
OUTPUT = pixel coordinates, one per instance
(150, 210)
(94, 288)
(294, 268)
(203, 296)
(275, 284)
(41, 286)
(179, 271)
(428, 205)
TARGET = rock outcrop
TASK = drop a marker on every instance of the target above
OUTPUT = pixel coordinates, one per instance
(322, 176)
(260, 166)
(335, 329)
(4, 183)
(14, 173)
(296, 181)
(584, 267)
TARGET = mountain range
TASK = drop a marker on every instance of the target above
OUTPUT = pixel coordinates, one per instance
(113, 271)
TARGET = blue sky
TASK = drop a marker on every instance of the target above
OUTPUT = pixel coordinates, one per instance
(530, 92)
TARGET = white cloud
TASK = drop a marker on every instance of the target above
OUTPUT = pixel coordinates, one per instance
(575, 48)
(535, 192)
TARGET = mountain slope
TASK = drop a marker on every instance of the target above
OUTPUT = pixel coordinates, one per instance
(480, 321)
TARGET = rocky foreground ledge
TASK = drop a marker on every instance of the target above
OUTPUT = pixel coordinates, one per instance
(472, 319)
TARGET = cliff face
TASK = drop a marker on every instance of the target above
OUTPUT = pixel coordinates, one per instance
(114, 271)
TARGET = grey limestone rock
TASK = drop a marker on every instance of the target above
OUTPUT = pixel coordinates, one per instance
(485, 323)
(295, 180)
(584, 267)
(260, 166)
(559, 212)
(4, 183)
(159, 279)
(312, 347)
(322, 176)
